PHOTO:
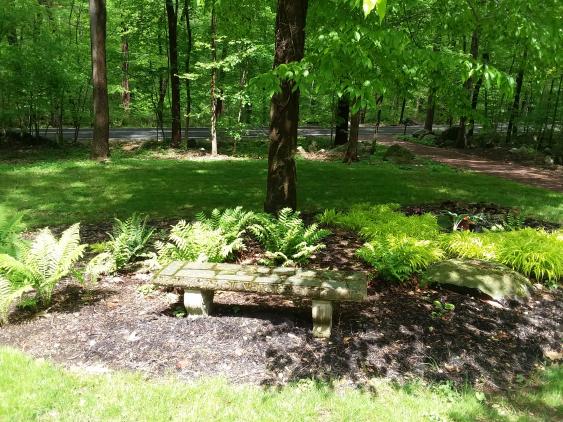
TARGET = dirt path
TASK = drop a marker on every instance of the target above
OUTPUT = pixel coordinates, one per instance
(543, 178)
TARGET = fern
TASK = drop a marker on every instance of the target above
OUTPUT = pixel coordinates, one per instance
(10, 294)
(129, 239)
(396, 258)
(11, 227)
(45, 262)
(286, 239)
(232, 222)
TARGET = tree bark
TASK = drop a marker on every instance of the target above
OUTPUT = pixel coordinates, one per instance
(461, 134)
(475, 98)
(403, 105)
(352, 148)
(214, 102)
(126, 93)
(512, 128)
(172, 16)
(553, 120)
(342, 115)
(100, 141)
(430, 109)
(284, 110)
(187, 67)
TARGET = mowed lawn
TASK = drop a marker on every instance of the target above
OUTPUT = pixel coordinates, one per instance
(66, 191)
(38, 390)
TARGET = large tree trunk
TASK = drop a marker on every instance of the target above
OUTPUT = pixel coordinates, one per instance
(100, 141)
(352, 148)
(461, 134)
(342, 115)
(214, 102)
(512, 127)
(172, 15)
(187, 67)
(284, 110)
(430, 109)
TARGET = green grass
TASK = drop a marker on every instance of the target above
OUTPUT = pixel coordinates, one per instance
(64, 191)
(38, 390)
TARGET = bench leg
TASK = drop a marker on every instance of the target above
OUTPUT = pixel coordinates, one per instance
(322, 318)
(198, 302)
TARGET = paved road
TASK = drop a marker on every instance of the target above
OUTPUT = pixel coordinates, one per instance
(132, 134)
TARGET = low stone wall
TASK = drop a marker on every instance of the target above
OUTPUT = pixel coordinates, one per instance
(286, 281)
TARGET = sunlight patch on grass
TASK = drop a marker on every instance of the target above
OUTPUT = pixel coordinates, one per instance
(35, 389)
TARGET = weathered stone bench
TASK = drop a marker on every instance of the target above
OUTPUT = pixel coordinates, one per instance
(201, 280)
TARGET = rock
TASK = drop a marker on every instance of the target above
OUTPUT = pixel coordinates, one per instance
(301, 150)
(549, 161)
(495, 280)
(398, 155)
(421, 133)
(449, 136)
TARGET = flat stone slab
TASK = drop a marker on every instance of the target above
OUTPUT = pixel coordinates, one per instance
(285, 281)
(495, 280)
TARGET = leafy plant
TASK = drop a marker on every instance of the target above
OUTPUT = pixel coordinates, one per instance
(381, 220)
(232, 222)
(465, 244)
(442, 309)
(129, 239)
(397, 257)
(286, 238)
(532, 252)
(11, 227)
(10, 294)
(513, 221)
(45, 262)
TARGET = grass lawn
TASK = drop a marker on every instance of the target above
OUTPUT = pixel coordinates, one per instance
(38, 390)
(66, 191)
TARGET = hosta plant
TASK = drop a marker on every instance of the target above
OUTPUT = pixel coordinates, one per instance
(396, 258)
(287, 240)
(44, 262)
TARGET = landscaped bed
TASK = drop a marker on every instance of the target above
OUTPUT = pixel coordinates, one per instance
(124, 323)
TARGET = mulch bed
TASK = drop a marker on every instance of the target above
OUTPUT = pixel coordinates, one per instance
(268, 340)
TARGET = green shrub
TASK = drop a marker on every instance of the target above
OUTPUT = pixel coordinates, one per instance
(397, 257)
(11, 227)
(45, 262)
(380, 220)
(466, 244)
(286, 239)
(232, 222)
(533, 253)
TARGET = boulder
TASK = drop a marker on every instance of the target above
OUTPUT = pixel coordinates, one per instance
(398, 155)
(449, 136)
(421, 133)
(495, 280)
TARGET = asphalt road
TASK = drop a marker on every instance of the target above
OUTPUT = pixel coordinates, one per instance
(132, 134)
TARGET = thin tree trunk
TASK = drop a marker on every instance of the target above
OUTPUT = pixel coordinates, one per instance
(126, 93)
(214, 103)
(172, 15)
(187, 67)
(512, 126)
(352, 148)
(430, 109)
(555, 111)
(461, 134)
(475, 98)
(284, 111)
(100, 141)
(402, 111)
(342, 115)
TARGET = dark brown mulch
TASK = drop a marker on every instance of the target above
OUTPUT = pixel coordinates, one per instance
(268, 340)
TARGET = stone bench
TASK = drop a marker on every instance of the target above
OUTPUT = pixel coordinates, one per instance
(201, 280)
